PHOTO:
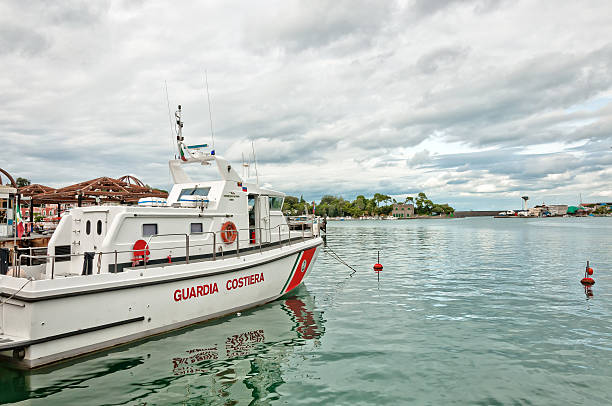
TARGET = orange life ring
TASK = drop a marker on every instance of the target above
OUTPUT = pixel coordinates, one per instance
(228, 232)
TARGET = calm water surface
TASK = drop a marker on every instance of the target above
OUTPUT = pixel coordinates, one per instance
(468, 311)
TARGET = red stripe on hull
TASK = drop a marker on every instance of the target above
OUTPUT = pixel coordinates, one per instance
(301, 269)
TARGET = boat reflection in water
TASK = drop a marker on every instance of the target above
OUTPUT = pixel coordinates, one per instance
(234, 359)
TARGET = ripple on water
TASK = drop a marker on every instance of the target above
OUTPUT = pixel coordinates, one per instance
(471, 311)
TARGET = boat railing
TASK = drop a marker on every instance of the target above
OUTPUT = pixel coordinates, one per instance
(30, 251)
(46, 258)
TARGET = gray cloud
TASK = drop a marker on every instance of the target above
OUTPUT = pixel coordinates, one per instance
(338, 97)
(301, 26)
(447, 57)
(16, 39)
(430, 7)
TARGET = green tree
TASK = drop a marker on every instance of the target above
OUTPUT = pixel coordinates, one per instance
(328, 199)
(334, 206)
(386, 210)
(290, 205)
(360, 202)
(21, 182)
(448, 209)
(372, 208)
(424, 206)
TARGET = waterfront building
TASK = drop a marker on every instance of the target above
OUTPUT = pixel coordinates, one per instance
(402, 210)
(547, 210)
(557, 209)
(594, 206)
(7, 201)
(537, 211)
(48, 212)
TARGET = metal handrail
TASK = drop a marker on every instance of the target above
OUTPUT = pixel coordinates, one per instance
(52, 257)
(167, 235)
(187, 246)
(28, 249)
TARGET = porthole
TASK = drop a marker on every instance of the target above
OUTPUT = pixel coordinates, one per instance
(99, 227)
(88, 227)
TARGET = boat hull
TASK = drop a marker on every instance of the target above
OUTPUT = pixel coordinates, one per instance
(50, 325)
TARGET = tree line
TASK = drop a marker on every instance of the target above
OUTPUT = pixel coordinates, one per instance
(379, 205)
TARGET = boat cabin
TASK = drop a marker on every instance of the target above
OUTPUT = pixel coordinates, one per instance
(199, 220)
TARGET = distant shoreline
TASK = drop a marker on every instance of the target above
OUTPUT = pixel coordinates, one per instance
(460, 216)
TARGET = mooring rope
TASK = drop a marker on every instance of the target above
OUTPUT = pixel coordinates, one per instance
(335, 256)
(13, 295)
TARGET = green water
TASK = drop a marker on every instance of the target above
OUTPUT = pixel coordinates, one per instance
(468, 311)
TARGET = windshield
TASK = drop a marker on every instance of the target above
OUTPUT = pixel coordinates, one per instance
(196, 191)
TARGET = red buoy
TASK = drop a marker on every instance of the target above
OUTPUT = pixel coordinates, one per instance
(378, 267)
(589, 271)
(587, 281)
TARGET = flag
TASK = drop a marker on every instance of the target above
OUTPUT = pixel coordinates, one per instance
(19, 222)
(239, 184)
(182, 154)
(244, 188)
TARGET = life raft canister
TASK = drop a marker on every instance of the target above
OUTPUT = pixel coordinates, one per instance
(228, 232)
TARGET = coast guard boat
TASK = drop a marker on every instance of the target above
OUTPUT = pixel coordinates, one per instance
(114, 274)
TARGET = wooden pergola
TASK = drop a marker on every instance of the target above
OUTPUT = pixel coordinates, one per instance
(99, 190)
(34, 189)
(125, 190)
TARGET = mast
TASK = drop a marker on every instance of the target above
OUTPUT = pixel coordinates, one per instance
(245, 168)
(179, 133)
(255, 161)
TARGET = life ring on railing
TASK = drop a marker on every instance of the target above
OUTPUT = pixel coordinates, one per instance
(140, 252)
(228, 232)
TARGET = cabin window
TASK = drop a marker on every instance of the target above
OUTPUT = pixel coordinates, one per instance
(276, 202)
(149, 230)
(196, 228)
(195, 191)
(88, 227)
(99, 227)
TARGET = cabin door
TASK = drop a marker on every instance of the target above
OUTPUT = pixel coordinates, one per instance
(93, 231)
(263, 211)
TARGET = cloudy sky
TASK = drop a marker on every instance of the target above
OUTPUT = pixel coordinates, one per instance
(473, 102)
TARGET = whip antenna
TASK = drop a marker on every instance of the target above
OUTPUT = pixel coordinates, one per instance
(212, 134)
(255, 161)
(170, 118)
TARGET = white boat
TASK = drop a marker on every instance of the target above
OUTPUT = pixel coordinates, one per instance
(212, 351)
(114, 274)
